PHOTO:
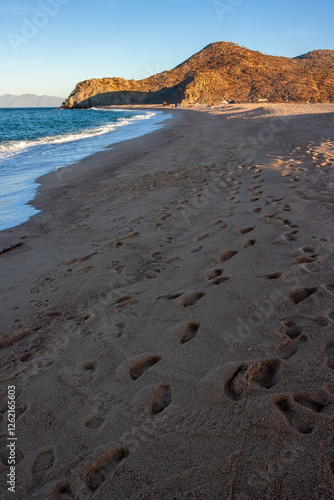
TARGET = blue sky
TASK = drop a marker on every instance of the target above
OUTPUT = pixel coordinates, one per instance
(47, 46)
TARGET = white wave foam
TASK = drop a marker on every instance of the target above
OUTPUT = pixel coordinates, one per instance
(121, 110)
(11, 148)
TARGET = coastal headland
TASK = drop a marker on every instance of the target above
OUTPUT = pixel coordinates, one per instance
(168, 317)
(221, 71)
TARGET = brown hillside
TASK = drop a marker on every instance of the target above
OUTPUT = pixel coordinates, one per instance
(221, 71)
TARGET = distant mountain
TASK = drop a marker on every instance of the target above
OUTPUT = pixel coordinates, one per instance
(30, 101)
(221, 71)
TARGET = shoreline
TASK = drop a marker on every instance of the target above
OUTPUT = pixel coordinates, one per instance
(178, 289)
(74, 171)
(78, 151)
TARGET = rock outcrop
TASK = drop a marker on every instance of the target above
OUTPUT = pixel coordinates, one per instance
(221, 71)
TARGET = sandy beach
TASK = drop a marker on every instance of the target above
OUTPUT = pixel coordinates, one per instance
(168, 316)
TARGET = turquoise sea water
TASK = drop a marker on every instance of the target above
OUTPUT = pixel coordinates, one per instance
(36, 141)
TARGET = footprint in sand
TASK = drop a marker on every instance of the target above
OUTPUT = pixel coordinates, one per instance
(275, 200)
(36, 303)
(103, 467)
(196, 249)
(301, 294)
(318, 401)
(268, 217)
(261, 373)
(170, 296)
(287, 222)
(43, 462)
(62, 491)
(245, 230)
(290, 347)
(304, 259)
(80, 377)
(201, 237)
(215, 277)
(308, 249)
(79, 259)
(135, 367)
(188, 332)
(88, 366)
(295, 415)
(83, 318)
(116, 244)
(152, 399)
(116, 266)
(330, 354)
(126, 300)
(161, 399)
(215, 273)
(134, 219)
(138, 368)
(83, 269)
(248, 243)
(220, 281)
(313, 267)
(191, 298)
(290, 236)
(218, 222)
(273, 276)
(94, 421)
(290, 329)
(49, 314)
(320, 321)
(227, 255)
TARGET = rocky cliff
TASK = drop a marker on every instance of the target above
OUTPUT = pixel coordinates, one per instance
(221, 71)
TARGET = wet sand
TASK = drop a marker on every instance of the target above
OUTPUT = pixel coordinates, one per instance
(169, 317)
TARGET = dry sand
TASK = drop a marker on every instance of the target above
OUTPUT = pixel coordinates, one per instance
(169, 315)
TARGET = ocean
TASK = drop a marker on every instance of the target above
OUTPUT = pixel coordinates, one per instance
(36, 141)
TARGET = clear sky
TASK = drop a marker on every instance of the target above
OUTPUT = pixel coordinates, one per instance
(47, 46)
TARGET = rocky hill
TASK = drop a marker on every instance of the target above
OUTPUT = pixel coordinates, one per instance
(29, 101)
(221, 71)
